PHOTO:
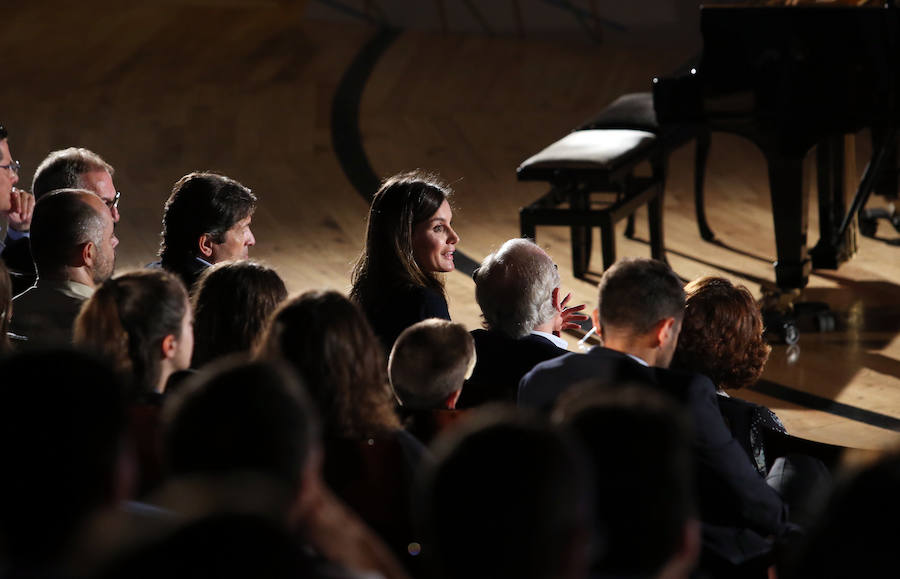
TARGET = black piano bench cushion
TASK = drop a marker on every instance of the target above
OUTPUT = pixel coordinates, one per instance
(599, 150)
(629, 111)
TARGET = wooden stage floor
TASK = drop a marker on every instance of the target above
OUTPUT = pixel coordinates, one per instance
(248, 88)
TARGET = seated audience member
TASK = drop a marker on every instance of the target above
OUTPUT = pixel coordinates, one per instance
(409, 243)
(141, 322)
(206, 220)
(72, 168)
(62, 417)
(17, 206)
(243, 437)
(507, 497)
(640, 444)
(370, 461)
(74, 248)
(232, 303)
(722, 338)
(856, 534)
(517, 288)
(641, 307)
(427, 368)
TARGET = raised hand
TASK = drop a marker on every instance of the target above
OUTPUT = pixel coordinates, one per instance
(21, 210)
(567, 318)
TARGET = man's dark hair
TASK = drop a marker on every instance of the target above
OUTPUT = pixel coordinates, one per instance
(506, 497)
(62, 417)
(63, 170)
(240, 417)
(3, 133)
(62, 222)
(640, 445)
(201, 203)
(636, 293)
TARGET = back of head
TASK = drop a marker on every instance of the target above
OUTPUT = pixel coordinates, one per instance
(722, 333)
(237, 417)
(126, 320)
(636, 293)
(506, 497)
(640, 445)
(429, 362)
(251, 289)
(62, 222)
(514, 287)
(402, 202)
(62, 415)
(201, 203)
(63, 170)
(224, 546)
(326, 338)
(856, 534)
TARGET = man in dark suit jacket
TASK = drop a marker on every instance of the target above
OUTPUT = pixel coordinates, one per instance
(641, 305)
(206, 220)
(517, 288)
(17, 206)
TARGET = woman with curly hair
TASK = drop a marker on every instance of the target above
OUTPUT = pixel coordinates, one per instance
(722, 338)
(370, 462)
(409, 241)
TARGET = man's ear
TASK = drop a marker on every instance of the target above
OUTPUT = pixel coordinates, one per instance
(205, 245)
(664, 331)
(595, 318)
(169, 345)
(451, 400)
(88, 254)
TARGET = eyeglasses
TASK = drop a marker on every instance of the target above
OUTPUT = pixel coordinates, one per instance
(114, 202)
(13, 166)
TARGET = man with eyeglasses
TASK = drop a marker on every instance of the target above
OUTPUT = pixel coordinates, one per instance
(72, 168)
(17, 206)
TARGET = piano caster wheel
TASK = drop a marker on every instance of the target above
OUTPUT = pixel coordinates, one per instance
(825, 322)
(790, 333)
(783, 330)
(868, 227)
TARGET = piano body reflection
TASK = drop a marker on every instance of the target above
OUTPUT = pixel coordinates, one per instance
(790, 78)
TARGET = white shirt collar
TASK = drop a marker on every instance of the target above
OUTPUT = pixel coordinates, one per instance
(555, 339)
(639, 360)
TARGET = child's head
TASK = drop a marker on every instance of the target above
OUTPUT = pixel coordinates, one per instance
(429, 363)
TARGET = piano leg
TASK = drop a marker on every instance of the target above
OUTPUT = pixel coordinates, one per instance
(835, 173)
(701, 154)
(790, 208)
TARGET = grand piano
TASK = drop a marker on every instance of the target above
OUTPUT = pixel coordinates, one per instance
(790, 78)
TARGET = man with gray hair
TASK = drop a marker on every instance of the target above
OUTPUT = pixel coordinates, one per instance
(517, 288)
(73, 243)
(72, 168)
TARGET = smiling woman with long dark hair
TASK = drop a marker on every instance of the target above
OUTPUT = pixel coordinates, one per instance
(409, 242)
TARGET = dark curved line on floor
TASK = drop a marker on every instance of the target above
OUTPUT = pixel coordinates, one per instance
(346, 137)
(814, 402)
(348, 10)
(582, 15)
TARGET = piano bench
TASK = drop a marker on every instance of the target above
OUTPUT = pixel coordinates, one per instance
(596, 161)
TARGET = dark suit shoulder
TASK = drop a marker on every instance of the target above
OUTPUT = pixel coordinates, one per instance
(500, 363)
